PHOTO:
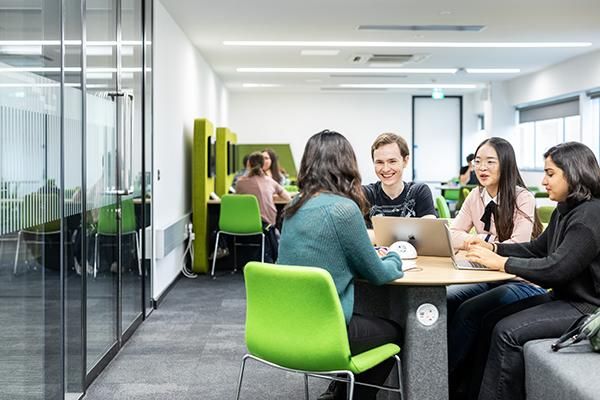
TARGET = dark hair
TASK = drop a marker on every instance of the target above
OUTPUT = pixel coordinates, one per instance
(580, 167)
(245, 160)
(470, 157)
(509, 179)
(389, 138)
(328, 165)
(274, 168)
(256, 162)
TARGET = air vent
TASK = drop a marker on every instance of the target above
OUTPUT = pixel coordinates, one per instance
(387, 59)
(423, 28)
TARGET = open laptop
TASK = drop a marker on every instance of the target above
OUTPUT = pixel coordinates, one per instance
(431, 237)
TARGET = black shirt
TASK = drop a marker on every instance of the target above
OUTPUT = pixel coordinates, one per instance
(414, 201)
(472, 178)
(566, 256)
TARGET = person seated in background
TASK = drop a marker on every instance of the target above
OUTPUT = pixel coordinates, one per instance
(241, 172)
(392, 196)
(501, 210)
(565, 257)
(467, 174)
(271, 167)
(264, 188)
(324, 227)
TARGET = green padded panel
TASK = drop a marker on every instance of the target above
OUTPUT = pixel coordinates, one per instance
(284, 152)
(294, 319)
(202, 186)
(222, 180)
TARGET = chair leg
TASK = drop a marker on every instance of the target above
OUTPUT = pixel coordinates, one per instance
(214, 262)
(234, 255)
(239, 387)
(399, 376)
(138, 252)
(262, 248)
(306, 387)
(17, 253)
(95, 256)
(350, 386)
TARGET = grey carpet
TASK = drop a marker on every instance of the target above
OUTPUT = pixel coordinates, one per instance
(191, 348)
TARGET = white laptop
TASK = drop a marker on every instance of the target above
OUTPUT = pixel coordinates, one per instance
(431, 237)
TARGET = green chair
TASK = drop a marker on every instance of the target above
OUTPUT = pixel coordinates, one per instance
(545, 212)
(239, 216)
(464, 192)
(295, 322)
(107, 226)
(442, 207)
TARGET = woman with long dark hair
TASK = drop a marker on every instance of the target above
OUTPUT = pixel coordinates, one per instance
(501, 210)
(565, 257)
(271, 166)
(324, 227)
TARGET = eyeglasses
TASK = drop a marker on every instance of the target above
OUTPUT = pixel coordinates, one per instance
(488, 164)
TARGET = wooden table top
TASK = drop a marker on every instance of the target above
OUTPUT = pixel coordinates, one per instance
(439, 271)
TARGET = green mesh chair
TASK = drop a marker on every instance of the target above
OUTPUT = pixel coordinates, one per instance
(544, 213)
(39, 216)
(107, 226)
(295, 322)
(442, 207)
(239, 216)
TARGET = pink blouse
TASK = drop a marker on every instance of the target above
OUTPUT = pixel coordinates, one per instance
(473, 208)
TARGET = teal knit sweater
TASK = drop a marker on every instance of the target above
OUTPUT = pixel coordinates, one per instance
(328, 231)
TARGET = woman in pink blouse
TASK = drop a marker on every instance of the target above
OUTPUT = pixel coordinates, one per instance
(501, 210)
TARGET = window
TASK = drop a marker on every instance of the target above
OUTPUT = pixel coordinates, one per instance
(543, 126)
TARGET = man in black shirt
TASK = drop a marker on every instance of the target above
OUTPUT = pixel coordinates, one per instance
(392, 196)
(467, 172)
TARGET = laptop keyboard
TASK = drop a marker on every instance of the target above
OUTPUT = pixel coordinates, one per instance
(471, 264)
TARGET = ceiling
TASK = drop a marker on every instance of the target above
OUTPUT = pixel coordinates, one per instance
(209, 23)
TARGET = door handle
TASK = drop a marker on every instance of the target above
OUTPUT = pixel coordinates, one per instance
(125, 106)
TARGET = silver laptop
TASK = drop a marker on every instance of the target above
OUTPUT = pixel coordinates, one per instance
(431, 237)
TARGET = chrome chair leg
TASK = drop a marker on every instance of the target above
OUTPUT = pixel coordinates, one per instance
(214, 261)
(234, 255)
(262, 247)
(306, 387)
(138, 252)
(239, 387)
(95, 256)
(17, 253)
(351, 386)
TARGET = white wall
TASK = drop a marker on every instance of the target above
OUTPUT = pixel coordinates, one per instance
(294, 117)
(185, 88)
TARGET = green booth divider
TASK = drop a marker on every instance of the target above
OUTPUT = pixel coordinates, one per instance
(226, 165)
(284, 152)
(203, 183)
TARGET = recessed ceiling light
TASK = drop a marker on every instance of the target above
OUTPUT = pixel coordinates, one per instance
(320, 52)
(492, 70)
(260, 85)
(408, 85)
(271, 43)
(350, 70)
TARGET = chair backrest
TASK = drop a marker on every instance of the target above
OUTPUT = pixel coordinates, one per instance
(107, 221)
(545, 212)
(40, 212)
(442, 207)
(240, 214)
(294, 317)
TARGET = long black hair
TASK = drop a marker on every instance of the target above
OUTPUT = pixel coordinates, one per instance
(328, 165)
(274, 168)
(508, 181)
(580, 168)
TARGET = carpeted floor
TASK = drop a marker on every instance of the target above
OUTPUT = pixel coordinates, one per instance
(191, 348)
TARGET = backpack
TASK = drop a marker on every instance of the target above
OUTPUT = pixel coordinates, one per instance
(586, 327)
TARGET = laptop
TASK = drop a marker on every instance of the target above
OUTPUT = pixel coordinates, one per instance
(431, 237)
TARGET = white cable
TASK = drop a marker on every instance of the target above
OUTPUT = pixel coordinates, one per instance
(189, 248)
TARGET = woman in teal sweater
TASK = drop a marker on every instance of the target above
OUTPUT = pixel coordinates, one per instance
(324, 227)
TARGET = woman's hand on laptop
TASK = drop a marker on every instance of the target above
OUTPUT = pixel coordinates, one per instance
(481, 254)
(476, 241)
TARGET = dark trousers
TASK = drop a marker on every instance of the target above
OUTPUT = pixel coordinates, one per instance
(365, 333)
(504, 375)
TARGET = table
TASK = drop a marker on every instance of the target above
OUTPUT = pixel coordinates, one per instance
(413, 301)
